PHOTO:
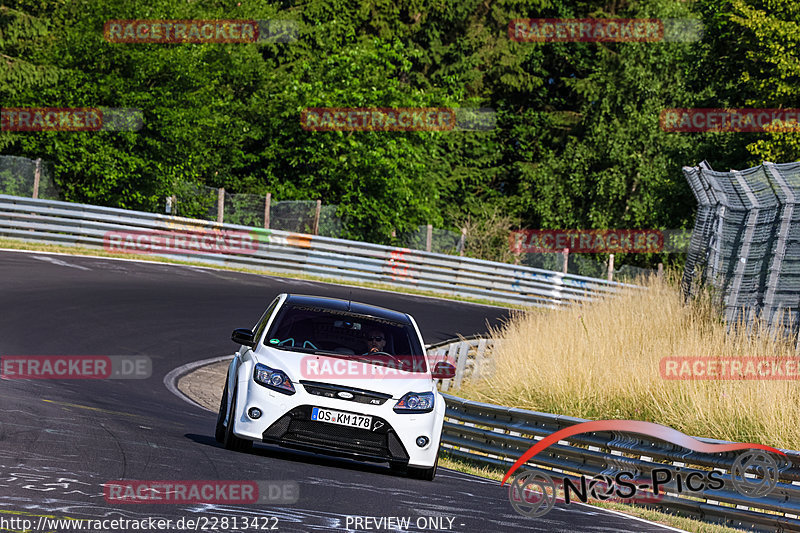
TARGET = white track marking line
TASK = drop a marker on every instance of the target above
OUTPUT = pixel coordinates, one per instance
(59, 262)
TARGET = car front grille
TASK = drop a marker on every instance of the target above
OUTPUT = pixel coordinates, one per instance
(296, 429)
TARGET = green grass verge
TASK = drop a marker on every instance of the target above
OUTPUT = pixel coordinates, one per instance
(687, 524)
(19, 244)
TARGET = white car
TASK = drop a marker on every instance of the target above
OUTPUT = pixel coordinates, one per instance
(335, 377)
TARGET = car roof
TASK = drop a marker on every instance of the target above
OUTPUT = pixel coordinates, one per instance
(348, 305)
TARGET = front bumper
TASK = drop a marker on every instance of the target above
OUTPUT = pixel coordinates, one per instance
(295, 429)
(286, 421)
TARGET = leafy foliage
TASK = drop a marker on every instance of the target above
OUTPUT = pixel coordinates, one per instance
(577, 142)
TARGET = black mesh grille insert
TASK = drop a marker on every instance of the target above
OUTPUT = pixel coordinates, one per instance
(297, 428)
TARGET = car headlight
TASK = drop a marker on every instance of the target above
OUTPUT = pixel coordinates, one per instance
(276, 380)
(415, 402)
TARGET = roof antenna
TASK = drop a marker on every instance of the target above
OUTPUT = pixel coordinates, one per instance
(349, 299)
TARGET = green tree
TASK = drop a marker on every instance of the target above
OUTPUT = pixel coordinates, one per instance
(770, 30)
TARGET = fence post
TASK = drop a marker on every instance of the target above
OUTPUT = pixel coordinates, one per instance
(267, 202)
(316, 217)
(610, 276)
(220, 204)
(461, 363)
(660, 270)
(37, 176)
(566, 259)
(429, 238)
(462, 242)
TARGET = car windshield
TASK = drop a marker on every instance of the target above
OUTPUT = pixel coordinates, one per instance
(344, 334)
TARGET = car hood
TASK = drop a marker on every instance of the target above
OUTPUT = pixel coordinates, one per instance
(346, 372)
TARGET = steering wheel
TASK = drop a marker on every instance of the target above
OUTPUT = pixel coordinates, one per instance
(394, 357)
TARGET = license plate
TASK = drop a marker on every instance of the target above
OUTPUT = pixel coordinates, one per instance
(343, 419)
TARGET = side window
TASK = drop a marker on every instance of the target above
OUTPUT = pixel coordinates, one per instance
(262, 323)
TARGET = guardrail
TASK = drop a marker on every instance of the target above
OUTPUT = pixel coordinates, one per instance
(470, 356)
(65, 223)
(497, 436)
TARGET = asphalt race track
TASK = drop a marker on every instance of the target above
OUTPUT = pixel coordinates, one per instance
(60, 440)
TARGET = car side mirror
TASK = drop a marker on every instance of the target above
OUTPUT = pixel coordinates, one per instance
(443, 370)
(244, 337)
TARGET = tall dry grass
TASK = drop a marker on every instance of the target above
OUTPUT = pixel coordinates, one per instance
(601, 360)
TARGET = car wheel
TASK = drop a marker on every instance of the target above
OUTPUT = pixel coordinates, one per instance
(426, 474)
(219, 434)
(231, 441)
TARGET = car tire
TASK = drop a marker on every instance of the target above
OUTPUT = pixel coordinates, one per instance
(219, 433)
(231, 441)
(426, 474)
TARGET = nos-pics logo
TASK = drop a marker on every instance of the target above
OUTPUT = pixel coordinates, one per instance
(754, 473)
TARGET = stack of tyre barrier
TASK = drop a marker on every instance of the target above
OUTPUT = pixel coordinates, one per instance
(746, 242)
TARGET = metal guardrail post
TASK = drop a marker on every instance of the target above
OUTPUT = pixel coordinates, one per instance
(428, 238)
(461, 363)
(267, 202)
(317, 210)
(221, 204)
(480, 360)
(37, 176)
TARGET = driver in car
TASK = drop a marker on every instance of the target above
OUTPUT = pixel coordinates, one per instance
(376, 341)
